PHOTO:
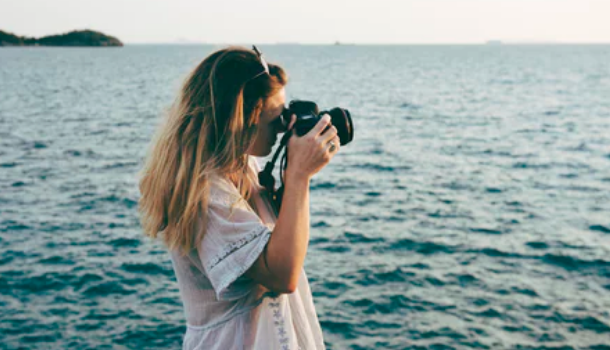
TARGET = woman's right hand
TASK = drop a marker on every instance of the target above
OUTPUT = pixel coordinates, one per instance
(309, 153)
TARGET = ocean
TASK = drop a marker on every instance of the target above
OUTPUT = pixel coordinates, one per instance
(471, 210)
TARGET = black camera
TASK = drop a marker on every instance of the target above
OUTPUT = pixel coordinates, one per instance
(308, 115)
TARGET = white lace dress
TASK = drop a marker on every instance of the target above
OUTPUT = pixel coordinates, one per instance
(224, 309)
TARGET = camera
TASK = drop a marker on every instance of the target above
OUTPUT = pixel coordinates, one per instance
(308, 115)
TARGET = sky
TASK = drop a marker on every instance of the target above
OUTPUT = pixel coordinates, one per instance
(316, 21)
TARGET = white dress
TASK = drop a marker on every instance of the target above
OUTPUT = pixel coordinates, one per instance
(224, 309)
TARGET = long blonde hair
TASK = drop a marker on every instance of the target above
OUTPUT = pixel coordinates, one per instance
(209, 128)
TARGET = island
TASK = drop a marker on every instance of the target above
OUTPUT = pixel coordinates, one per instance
(73, 38)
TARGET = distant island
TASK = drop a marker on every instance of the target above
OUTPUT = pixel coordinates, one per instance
(74, 38)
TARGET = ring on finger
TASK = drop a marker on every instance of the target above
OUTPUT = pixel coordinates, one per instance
(332, 147)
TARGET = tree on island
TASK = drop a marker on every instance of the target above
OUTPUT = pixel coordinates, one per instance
(73, 38)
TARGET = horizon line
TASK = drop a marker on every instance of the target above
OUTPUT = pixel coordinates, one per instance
(340, 43)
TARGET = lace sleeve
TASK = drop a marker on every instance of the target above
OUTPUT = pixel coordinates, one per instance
(234, 239)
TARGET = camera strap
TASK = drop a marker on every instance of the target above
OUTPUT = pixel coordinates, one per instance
(265, 177)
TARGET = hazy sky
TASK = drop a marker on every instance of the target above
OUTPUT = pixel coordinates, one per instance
(316, 21)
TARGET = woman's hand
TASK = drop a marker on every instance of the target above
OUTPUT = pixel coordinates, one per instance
(309, 153)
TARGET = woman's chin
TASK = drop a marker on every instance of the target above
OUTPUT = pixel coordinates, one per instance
(262, 153)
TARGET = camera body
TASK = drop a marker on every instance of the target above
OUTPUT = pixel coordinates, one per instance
(308, 115)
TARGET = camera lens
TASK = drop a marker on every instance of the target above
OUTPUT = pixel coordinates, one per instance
(342, 120)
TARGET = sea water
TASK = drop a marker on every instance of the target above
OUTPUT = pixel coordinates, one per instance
(471, 210)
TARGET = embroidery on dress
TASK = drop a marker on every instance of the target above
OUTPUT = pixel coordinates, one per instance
(278, 321)
(236, 245)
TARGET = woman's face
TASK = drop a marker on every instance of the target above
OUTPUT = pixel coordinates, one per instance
(269, 125)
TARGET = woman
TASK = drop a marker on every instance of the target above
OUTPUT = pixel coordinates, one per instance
(238, 263)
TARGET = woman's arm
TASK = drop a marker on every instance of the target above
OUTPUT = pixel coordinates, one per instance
(286, 250)
(279, 266)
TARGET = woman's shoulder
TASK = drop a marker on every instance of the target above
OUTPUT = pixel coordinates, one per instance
(224, 191)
